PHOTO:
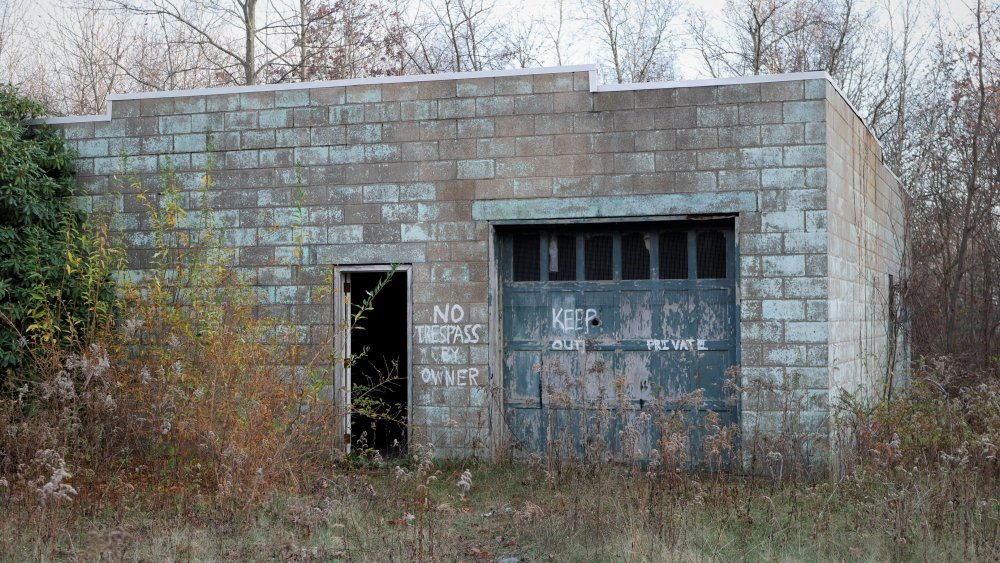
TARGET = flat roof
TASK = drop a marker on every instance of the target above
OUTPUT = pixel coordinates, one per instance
(595, 85)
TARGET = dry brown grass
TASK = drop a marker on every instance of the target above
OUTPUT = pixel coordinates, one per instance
(518, 510)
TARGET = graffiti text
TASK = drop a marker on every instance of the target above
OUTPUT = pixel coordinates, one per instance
(676, 344)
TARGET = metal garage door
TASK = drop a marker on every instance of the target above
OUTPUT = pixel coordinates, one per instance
(604, 322)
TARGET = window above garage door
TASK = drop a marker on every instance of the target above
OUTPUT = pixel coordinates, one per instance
(620, 252)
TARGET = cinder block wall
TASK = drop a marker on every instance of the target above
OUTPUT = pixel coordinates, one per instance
(867, 252)
(416, 170)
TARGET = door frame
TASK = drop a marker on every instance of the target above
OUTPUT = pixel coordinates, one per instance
(342, 343)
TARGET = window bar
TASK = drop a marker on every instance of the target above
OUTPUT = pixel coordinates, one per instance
(543, 253)
(616, 255)
(692, 241)
(654, 255)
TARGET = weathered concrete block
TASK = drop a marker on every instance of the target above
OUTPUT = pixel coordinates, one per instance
(429, 173)
(475, 169)
(718, 116)
(800, 112)
(784, 265)
(805, 332)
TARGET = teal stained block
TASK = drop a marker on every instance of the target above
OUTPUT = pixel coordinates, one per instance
(417, 192)
(618, 206)
(311, 155)
(275, 118)
(801, 112)
(380, 193)
(346, 155)
(415, 232)
(171, 124)
(787, 355)
(345, 234)
(194, 142)
(93, 148)
(240, 237)
(291, 98)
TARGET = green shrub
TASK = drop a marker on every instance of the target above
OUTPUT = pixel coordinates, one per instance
(45, 296)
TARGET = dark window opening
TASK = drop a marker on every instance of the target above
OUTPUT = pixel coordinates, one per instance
(673, 256)
(562, 258)
(711, 254)
(598, 259)
(379, 378)
(635, 257)
(621, 251)
(526, 258)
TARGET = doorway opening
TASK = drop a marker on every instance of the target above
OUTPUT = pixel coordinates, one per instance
(378, 361)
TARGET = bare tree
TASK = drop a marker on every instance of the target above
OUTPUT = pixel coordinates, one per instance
(343, 39)
(872, 62)
(161, 56)
(957, 184)
(458, 35)
(11, 46)
(226, 31)
(554, 29)
(526, 42)
(82, 48)
(634, 37)
(752, 37)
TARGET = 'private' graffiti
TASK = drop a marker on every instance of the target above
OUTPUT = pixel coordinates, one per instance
(675, 344)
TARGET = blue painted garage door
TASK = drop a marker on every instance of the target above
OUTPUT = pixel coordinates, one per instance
(603, 323)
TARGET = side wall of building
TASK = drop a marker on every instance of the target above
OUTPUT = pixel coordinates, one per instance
(867, 258)
(420, 172)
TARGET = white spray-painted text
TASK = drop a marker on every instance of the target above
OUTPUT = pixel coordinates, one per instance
(449, 328)
(676, 344)
(449, 376)
(573, 320)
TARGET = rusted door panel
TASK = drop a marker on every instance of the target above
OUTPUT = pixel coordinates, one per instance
(675, 313)
(522, 326)
(711, 376)
(714, 314)
(527, 427)
(593, 364)
(524, 389)
(672, 375)
(561, 383)
(636, 313)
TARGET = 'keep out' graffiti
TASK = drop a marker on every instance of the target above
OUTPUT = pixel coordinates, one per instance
(449, 328)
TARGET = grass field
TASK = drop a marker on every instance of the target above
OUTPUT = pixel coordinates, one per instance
(525, 512)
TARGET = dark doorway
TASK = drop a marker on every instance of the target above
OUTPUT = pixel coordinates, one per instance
(379, 373)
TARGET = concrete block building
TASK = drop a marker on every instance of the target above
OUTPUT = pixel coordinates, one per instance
(561, 247)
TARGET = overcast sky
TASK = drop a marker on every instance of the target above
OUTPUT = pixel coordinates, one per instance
(580, 49)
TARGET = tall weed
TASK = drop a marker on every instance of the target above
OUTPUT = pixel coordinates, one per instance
(182, 390)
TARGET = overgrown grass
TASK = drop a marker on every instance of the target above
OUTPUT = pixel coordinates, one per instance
(520, 510)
